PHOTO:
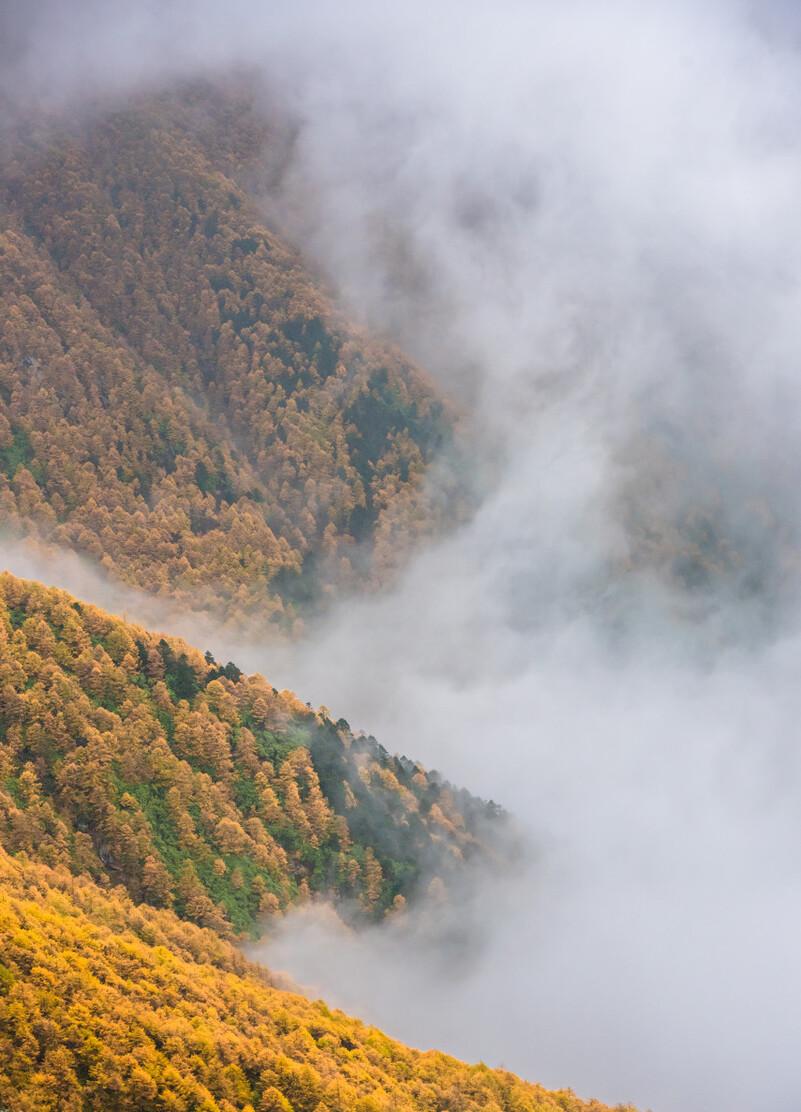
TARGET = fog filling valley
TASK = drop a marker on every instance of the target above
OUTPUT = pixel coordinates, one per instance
(584, 221)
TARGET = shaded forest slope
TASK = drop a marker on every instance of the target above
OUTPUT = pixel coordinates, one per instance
(179, 400)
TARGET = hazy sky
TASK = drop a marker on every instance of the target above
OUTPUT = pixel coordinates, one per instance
(584, 219)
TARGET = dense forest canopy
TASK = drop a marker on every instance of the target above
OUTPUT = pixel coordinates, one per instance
(139, 761)
(179, 399)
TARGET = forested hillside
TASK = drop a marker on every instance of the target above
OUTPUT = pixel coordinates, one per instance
(107, 1005)
(179, 400)
(153, 805)
(138, 761)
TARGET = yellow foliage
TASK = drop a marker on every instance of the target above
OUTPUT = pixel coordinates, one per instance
(107, 1006)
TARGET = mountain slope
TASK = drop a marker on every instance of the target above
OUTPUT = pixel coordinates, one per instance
(105, 1005)
(178, 398)
(139, 761)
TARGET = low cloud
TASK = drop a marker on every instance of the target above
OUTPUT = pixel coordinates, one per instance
(646, 951)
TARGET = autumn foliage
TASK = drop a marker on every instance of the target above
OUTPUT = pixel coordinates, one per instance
(179, 400)
(153, 803)
(105, 1005)
(139, 761)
